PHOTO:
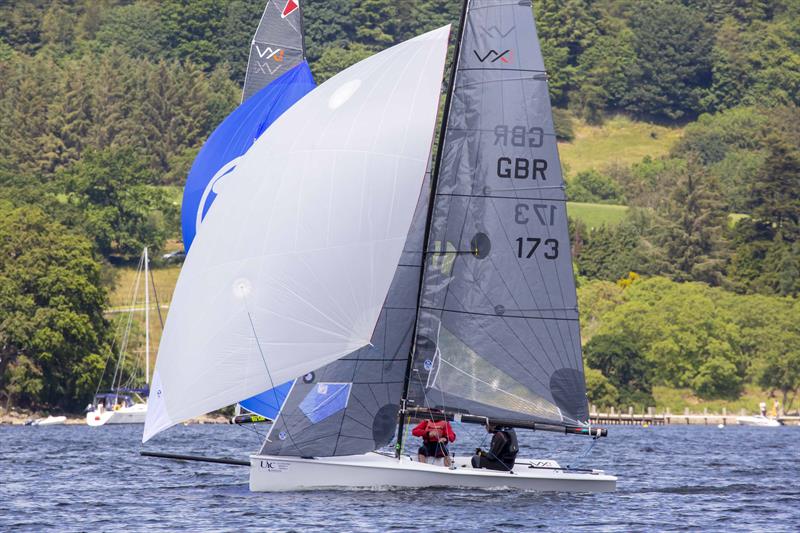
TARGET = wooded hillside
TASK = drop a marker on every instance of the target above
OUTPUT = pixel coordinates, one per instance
(104, 104)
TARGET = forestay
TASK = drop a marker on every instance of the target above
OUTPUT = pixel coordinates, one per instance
(498, 331)
(295, 260)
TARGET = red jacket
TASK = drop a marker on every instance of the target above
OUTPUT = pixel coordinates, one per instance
(439, 429)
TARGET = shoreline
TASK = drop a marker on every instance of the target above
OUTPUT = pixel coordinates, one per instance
(19, 418)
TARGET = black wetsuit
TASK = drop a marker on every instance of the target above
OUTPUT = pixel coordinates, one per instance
(502, 454)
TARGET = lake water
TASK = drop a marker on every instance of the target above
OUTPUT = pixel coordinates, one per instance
(75, 478)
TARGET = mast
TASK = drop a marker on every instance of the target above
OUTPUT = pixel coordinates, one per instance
(146, 320)
(434, 181)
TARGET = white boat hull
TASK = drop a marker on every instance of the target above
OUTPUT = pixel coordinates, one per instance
(374, 470)
(50, 421)
(758, 420)
(135, 414)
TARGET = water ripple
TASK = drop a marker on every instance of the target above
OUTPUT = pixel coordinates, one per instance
(75, 478)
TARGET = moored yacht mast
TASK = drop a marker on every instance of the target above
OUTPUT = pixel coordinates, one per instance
(146, 319)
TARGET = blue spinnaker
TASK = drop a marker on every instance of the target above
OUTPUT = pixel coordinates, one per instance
(268, 403)
(233, 138)
(218, 157)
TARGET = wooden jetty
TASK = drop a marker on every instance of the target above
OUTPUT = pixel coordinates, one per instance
(650, 417)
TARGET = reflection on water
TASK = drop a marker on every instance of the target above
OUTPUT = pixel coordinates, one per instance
(75, 478)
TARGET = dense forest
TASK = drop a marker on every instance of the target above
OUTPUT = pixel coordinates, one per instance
(104, 103)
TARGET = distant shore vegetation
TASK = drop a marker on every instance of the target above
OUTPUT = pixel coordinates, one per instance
(679, 128)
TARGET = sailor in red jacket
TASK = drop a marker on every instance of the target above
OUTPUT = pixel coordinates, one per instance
(435, 436)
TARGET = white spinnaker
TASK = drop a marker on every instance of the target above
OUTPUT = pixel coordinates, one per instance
(295, 260)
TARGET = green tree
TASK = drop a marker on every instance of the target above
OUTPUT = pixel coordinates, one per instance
(603, 73)
(611, 252)
(673, 67)
(22, 382)
(51, 305)
(194, 30)
(678, 327)
(600, 391)
(137, 29)
(592, 186)
(566, 29)
(113, 202)
(690, 233)
(334, 60)
(775, 191)
(779, 367)
(327, 26)
(620, 360)
(717, 378)
(770, 340)
(241, 21)
(58, 26)
(21, 25)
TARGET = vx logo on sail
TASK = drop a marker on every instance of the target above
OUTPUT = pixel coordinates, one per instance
(494, 56)
(274, 54)
(494, 31)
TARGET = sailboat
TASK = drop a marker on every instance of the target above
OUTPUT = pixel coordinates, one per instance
(277, 77)
(387, 293)
(125, 403)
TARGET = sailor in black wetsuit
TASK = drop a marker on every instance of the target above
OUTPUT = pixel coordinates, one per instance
(503, 451)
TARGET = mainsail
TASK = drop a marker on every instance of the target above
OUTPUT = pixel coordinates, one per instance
(296, 258)
(278, 45)
(498, 332)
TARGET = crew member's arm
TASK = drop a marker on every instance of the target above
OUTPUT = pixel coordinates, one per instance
(451, 436)
(498, 443)
(421, 429)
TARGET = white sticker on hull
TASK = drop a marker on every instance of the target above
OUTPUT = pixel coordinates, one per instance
(274, 466)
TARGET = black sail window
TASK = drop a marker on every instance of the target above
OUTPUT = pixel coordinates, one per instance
(480, 245)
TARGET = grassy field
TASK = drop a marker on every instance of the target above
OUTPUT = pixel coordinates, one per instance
(122, 293)
(676, 400)
(121, 298)
(618, 140)
(595, 215)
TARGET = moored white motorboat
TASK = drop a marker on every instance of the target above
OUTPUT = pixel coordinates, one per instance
(375, 470)
(50, 421)
(758, 420)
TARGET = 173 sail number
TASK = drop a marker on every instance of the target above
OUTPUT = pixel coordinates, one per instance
(527, 246)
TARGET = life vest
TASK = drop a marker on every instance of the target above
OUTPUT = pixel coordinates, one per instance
(439, 427)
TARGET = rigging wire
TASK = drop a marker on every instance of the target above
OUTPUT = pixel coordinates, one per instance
(585, 453)
(116, 341)
(123, 346)
(266, 367)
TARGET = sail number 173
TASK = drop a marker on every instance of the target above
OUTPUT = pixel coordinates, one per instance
(527, 247)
